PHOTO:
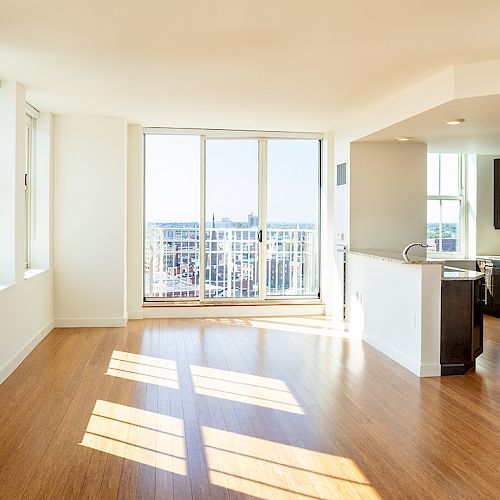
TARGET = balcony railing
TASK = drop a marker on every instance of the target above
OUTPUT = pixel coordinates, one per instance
(172, 262)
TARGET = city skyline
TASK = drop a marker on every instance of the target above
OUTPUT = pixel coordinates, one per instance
(226, 220)
(231, 264)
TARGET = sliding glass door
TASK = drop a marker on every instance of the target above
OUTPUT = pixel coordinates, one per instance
(171, 213)
(292, 218)
(231, 218)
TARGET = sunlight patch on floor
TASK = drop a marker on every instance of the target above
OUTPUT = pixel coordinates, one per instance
(267, 469)
(322, 322)
(141, 436)
(241, 463)
(322, 326)
(144, 369)
(244, 388)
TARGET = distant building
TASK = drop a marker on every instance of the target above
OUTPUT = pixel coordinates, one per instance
(253, 220)
(172, 253)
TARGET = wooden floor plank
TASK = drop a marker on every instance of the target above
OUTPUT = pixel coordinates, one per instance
(104, 468)
(26, 433)
(243, 408)
(69, 464)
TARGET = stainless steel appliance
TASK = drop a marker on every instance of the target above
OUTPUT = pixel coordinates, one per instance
(341, 261)
(490, 266)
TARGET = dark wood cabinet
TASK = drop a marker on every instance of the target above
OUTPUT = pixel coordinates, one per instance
(477, 323)
(461, 324)
(493, 300)
(496, 193)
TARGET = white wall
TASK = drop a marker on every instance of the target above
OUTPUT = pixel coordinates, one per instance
(340, 226)
(388, 195)
(11, 135)
(26, 313)
(90, 169)
(471, 207)
(396, 308)
(135, 190)
(487, 237)
(327, 252)
(422, 96)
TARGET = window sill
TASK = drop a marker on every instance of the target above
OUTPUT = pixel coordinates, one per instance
(169, 310)
(31, 273)
(445, 256)
(221, 303)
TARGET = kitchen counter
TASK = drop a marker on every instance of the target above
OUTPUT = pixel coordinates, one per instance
(394, 256)
(454, 273)
(448, 274)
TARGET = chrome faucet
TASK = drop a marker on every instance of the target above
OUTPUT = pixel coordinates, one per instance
(405, 251)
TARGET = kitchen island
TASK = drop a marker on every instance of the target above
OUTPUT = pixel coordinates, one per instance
(404, 308)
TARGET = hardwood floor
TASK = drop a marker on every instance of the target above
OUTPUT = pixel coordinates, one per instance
(242, 408)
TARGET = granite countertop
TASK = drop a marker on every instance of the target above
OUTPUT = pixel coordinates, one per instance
(453, 273)
(393, 256)
(449, 273)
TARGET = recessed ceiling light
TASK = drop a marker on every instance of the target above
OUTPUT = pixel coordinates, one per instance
(403, 138)
(454, 121)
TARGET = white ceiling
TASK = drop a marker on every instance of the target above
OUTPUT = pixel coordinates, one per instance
(480, 133)
(260, 64)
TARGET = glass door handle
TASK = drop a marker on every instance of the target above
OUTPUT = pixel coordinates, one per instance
(259, 235)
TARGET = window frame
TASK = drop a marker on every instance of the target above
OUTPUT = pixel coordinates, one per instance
(262, 137)
(30, 127)
(462, 198)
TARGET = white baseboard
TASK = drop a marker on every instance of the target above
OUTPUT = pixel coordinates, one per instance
(394, 354)
(135, 314)
(11, 365)
(90, 322)
(233, 311)
(426, 370)
(430, 370)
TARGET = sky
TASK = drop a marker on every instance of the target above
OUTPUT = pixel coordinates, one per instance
(448, 183)
(446, 211)
(173, 179)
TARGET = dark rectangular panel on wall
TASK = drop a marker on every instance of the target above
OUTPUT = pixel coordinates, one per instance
(496, 194)
(341, 174)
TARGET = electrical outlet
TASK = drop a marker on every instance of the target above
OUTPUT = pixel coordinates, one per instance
(414, 320)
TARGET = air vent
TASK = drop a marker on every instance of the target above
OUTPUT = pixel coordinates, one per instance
(341, 174)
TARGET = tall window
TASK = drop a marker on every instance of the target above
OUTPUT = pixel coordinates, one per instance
(292, 217)
(172, 212)
(28, 192)
(445, 204)
(233, 217)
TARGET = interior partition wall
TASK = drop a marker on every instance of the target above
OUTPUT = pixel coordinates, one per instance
(231, 216)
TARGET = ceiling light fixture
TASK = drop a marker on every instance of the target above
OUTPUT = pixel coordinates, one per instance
(403, 138)
(454, 121)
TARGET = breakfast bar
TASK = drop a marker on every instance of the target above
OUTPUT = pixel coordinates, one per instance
(423, 314)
